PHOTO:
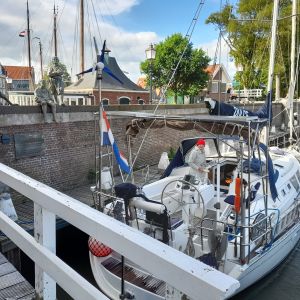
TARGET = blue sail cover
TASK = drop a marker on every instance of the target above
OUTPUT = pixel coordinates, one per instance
(225, 109)
(272, 175)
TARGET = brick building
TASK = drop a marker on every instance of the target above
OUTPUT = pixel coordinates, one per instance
(112, 91)
(19, 78)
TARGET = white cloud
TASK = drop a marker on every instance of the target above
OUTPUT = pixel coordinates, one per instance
(127, 47)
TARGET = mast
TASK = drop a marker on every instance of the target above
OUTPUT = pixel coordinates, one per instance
(81, 36)
(292, 78)
(271, 63)
(55, 31)
(29, 49)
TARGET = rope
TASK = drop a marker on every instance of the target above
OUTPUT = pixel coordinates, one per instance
(189, 36)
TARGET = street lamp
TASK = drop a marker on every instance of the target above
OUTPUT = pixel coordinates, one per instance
(150, 55)
(41, 55)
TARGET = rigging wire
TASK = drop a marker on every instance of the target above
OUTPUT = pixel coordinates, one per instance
(101, 39)
(89, 21)
(189, 36)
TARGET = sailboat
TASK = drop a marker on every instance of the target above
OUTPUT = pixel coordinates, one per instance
(242, 219)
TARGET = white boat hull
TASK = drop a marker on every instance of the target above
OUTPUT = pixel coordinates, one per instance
(262, 265)
(270, 259)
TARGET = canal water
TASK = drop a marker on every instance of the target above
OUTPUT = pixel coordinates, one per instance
(282, 284)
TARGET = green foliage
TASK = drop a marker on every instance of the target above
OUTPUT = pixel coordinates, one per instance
(248, 34)
(171, 153)
(65, 75)
(190, 77)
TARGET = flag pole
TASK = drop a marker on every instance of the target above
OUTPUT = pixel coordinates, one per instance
(100, 67)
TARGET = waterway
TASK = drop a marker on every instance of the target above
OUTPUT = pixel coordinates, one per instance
(282, 284)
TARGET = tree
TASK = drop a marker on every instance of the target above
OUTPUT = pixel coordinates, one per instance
(190, 77)
(65, 75)
(247, 32)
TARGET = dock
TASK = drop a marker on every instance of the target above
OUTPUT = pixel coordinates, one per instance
(12, 284)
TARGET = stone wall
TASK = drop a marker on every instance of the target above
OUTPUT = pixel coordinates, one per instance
(68, 151)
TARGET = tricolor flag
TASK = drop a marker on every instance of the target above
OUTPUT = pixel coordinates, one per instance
(22, 33)
(107, 139)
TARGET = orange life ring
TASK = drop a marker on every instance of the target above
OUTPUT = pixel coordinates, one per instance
(237, 197)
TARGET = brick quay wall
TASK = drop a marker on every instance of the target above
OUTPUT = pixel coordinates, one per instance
(67, 155)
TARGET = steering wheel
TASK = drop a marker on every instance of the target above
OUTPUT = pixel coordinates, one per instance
(176, 197)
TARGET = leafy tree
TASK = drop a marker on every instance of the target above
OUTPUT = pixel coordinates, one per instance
(190, 77)
(247, 32)
(65, 75)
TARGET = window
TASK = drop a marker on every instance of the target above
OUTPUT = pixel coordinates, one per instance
(105, 102)
(298, 175)
(289, 186)
(295, 183)
(80, 101)
(124, 100)
(283, 193)
(214, 87)
(141, 101)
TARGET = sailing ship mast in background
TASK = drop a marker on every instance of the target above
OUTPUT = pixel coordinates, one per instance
(81, 36)
(29, 51)
(55, 30)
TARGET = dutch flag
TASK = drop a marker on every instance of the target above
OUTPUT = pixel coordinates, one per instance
(107, 139)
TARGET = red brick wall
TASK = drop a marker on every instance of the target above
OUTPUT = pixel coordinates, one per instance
(69, 154)
(114, 96)
(68, 149)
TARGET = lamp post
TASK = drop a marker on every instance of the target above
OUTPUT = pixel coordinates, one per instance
(41, 55)
(150, 55)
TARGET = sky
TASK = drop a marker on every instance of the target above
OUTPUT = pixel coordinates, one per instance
(129, 27)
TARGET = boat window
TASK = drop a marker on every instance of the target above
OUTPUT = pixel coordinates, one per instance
(283, 193)
(298, 175)
(295, 183)
(289, 186)
(283, 223)
(289, 217)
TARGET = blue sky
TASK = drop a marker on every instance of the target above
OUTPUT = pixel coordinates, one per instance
(167, 17)
(129, 26)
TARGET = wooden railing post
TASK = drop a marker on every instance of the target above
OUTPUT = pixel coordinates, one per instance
(45, 234)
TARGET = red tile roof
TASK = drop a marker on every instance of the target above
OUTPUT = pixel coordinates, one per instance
(211, 69)
(142, 82)
(17, 72)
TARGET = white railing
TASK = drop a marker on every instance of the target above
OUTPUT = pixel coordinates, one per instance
(252, 93)
(192, 277)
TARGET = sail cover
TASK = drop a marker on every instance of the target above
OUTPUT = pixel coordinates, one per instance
(224, 109)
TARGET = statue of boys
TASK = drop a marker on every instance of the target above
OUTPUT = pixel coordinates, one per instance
(45, 99)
